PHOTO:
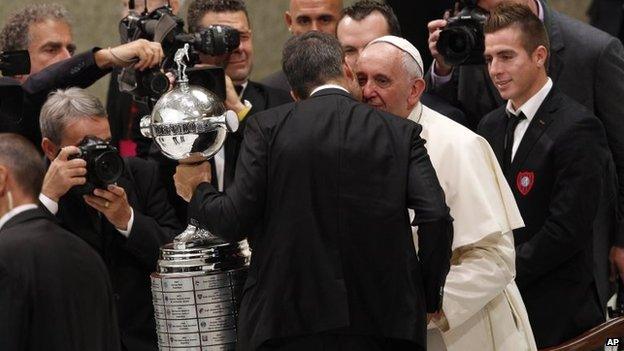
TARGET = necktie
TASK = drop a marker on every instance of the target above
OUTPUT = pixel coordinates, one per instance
(512, 123)
(239, 89)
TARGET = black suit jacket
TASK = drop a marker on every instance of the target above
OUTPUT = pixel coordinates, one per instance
(587, 65)
(54, 289)
(607, 15)
(325, 184)
(131, 260)
(557, 177)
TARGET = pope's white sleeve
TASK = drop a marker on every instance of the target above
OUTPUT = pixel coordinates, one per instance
(479, 272)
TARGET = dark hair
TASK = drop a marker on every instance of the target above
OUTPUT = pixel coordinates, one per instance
(24, 162)
(198, 8)
(363, 8)
(531, 28)
(310, 60)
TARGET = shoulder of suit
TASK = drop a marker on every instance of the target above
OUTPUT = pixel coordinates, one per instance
(436, 125)
(576, 31)
(274, 95)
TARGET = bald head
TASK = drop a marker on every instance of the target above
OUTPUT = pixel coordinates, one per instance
(313, 15)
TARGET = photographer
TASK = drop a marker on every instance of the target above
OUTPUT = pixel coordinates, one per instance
(45, 31)
(586, 64)
(126, 222)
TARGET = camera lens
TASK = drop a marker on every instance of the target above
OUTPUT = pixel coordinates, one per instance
(108, 167)
(456, 45)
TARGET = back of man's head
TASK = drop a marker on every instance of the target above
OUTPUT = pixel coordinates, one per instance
(15, 34)
(363, 8)
(198, 8)
(311, 60)
(65, 105)
(24, 163)
(530, 27)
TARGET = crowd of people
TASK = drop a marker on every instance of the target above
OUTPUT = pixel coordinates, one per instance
(391, 201)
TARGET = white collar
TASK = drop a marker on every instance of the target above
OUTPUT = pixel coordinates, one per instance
(540, 10)
(530, 107)
(14, 212)
(328, 86)
(416, 113)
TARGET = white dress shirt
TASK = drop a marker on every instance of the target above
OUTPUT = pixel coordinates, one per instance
(529, 109)
(14, 212)
(52, 206)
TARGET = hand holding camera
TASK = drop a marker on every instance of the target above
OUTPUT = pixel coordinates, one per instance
(64, 174)
(141, 54)
(113, 204)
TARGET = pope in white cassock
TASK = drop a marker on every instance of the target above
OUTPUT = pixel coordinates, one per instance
(482, 308)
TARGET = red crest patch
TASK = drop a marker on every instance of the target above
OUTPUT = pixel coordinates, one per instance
(524, 182)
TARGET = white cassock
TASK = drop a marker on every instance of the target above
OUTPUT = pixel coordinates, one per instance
(482, 305)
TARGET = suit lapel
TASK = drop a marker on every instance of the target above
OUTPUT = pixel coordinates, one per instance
(498, 138)
(538, 125)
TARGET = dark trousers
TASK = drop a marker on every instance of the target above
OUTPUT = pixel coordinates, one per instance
(338, 342)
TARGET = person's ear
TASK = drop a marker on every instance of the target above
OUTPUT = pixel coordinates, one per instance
(49, 149)
(540, 56)
(4, 178)
(294, 96)
(288, 20)
(416, 91)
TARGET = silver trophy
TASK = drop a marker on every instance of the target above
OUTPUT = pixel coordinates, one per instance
(189, 124)
(196, 290)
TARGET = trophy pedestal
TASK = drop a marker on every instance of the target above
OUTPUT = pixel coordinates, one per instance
(196, 294)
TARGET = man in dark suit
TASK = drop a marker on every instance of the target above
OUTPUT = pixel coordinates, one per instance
(55, 292)
(325, 183)
(45, 31)
(125, 223)
(584, 63)
(367, 20)
(552, 151)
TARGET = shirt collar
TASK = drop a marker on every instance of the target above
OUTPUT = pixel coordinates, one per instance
(530, 107)
(244, 85)
(540, 10)
(14, 212)
(416, 113)
(328, 86)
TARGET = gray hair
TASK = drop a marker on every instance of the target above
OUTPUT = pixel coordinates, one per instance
(310, 60)
(411, 66)
(64, 106)
(23, 161)
(15, 34)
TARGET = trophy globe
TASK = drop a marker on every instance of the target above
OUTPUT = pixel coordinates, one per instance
(189, 124)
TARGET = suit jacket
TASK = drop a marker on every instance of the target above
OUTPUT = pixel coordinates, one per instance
(326, 184)
(607, 15)
(131, 260)
(261, 98)
(588, 66)
(77, 71)
(556, 176)
(56, 294)
(277, 80)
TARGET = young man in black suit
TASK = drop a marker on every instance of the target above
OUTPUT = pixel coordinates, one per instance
(55, 292)
(326, 183)
(125, 223)
(554, 154)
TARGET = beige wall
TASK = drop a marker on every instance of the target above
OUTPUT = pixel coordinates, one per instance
(95, 24)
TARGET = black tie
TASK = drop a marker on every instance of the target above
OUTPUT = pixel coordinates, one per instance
(238, 89)
(512, 123)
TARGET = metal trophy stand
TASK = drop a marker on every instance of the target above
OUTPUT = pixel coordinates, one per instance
(197, 287)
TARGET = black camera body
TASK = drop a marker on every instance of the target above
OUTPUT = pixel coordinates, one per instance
(104, 164)
(462, 41)
(162, 26)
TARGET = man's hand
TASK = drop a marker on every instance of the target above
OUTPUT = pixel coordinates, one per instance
(188, 177)
(232, 100)
(435, 27)
(142, 53)
(64, 174)
(113, 204)
(616, 257)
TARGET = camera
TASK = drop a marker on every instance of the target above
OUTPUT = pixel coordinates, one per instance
(462, 41)
(162, 26)
(13, 63)
(104, 165)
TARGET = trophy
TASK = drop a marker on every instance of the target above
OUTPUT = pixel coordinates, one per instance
(197, 287)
